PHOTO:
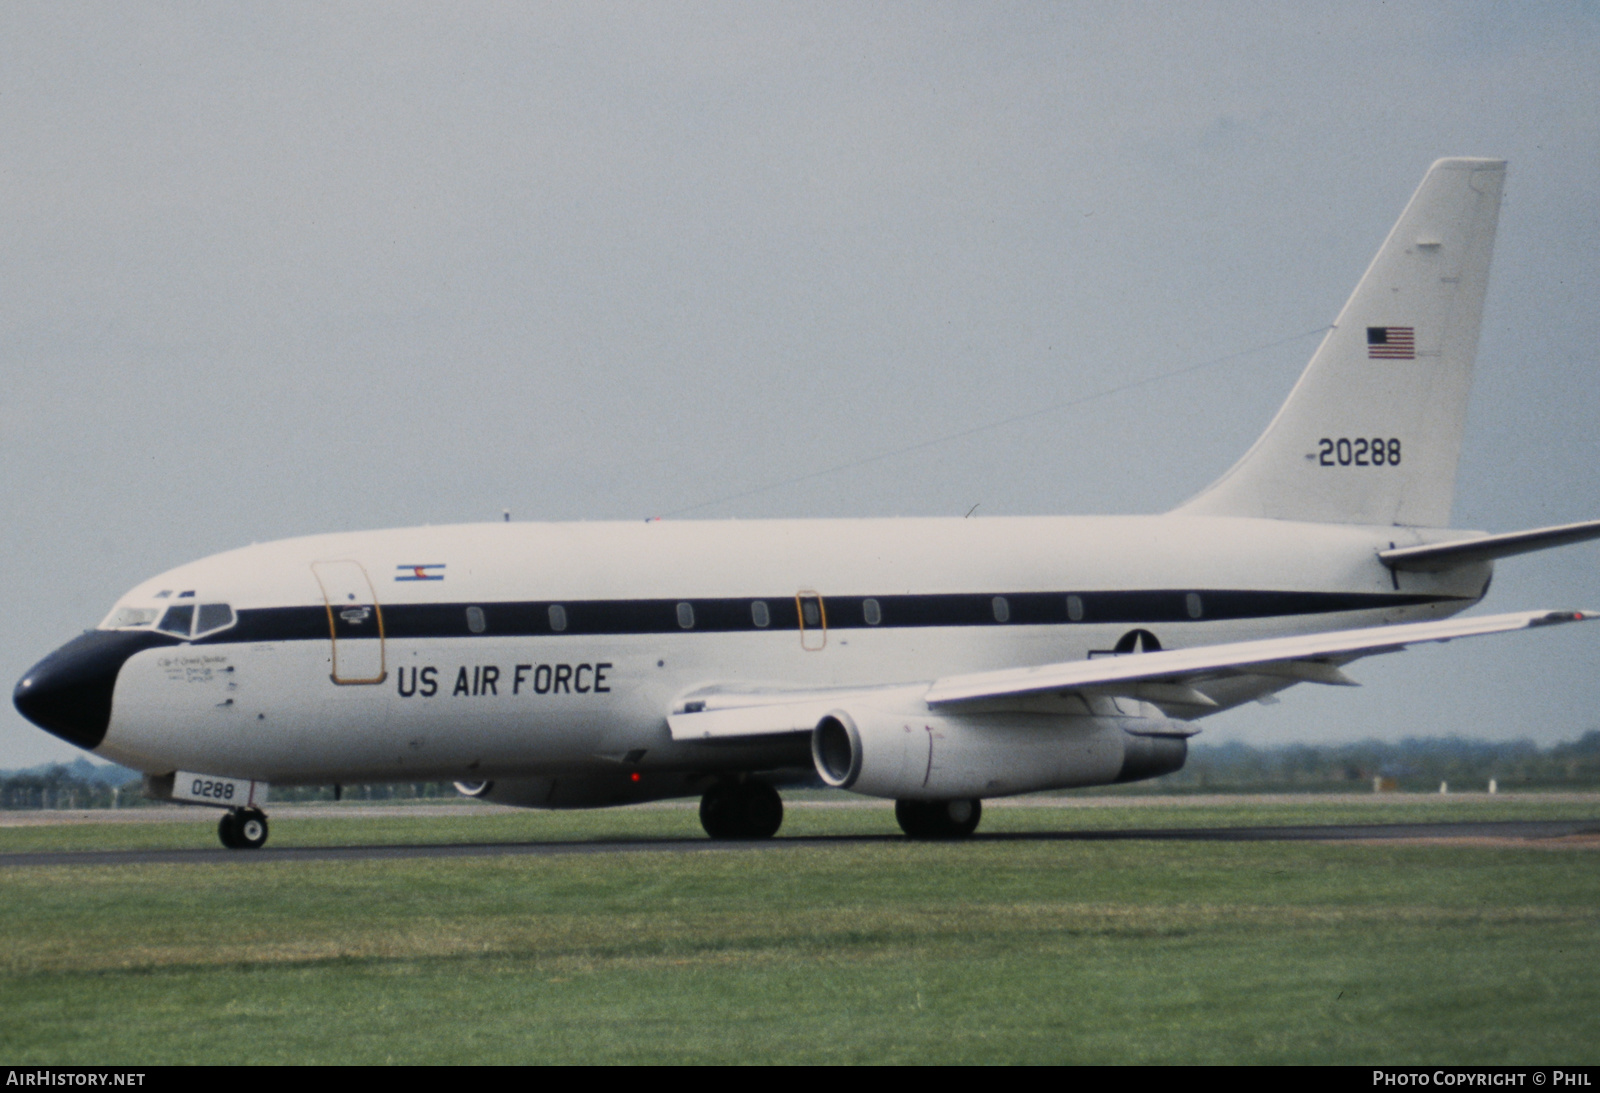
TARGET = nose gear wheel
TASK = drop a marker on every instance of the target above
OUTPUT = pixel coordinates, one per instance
(243, 829)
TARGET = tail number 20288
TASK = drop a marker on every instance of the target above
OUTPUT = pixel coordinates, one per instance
(1360, 452)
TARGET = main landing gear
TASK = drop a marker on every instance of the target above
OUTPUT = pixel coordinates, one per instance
(938, 819)
(741, 810)
(243, 829)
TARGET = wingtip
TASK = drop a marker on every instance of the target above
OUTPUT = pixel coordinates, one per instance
(1555, 618)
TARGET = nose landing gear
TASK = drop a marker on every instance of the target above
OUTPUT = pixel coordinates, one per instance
(243, 829)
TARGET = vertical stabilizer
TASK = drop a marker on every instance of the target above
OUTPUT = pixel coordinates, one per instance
(1372, 432)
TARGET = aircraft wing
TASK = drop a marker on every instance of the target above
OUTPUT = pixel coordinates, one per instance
(1486, 548)
(722, 713)
(1311, 657)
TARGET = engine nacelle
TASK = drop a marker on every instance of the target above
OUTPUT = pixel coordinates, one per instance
(942, 757)
(589, 789)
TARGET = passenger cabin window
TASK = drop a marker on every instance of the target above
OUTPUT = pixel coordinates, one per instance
(1075, 608)
(759, 613)
(1002, 609)
(870, 612)
(558, 617)
(475, 620)
(1192, 604)
(686, 615)
(811, 612)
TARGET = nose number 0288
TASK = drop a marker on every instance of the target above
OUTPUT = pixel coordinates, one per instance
(204, 790)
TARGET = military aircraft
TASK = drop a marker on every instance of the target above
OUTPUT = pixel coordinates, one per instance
(935, 662)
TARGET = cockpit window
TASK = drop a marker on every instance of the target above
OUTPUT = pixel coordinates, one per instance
(177, 620)
(124, 618)
(185, 619)
(211, 618)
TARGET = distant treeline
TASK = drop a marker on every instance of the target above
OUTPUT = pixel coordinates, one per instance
(1413, 765)
(79, 784)
(82, 784)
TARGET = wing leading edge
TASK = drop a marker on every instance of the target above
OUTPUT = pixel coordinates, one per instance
(718, 713)
(1310, 657)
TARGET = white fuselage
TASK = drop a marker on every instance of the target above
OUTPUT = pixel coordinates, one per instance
(500, 692)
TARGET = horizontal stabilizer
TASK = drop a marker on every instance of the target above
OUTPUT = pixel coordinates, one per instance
(1112, 675)
(1437, 556)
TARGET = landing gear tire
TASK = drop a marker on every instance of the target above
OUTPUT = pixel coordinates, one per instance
(939, 819)
(243, 829)
(741, 810)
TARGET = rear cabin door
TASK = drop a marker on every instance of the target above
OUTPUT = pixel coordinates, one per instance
(355, 622)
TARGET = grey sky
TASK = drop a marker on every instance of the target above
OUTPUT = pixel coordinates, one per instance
(278, 269)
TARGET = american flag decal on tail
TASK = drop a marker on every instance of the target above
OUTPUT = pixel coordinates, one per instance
(1391, 343)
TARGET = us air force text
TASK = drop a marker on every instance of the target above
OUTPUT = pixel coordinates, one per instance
(488, 679)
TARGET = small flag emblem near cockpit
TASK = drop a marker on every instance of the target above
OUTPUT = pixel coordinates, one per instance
(1391, 343)
(433, 572)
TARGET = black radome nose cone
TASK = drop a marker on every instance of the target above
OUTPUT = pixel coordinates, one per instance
(68, 693)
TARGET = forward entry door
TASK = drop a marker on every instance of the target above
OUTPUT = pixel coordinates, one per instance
(355, 622)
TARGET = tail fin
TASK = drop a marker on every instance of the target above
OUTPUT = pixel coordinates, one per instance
(1372, 432)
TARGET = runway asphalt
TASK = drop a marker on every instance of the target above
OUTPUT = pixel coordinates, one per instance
(1530, 832)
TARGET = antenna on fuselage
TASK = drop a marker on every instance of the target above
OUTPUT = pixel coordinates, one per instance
(507, 514)
(1002, 423)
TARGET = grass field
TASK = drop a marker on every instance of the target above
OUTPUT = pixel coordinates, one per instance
(1011, 951)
